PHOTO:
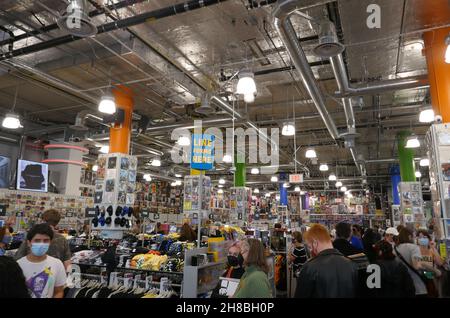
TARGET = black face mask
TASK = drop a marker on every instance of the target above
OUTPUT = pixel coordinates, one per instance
(235, 261)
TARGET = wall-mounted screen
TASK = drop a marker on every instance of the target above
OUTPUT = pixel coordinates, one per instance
(32, 176)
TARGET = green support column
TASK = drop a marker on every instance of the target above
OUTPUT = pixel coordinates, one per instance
(241, 170)
(406, 158)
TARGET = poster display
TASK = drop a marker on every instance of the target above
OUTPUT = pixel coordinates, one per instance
(32, 176)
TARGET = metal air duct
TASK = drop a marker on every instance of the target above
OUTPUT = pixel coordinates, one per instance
(328, 41)
(76, 21)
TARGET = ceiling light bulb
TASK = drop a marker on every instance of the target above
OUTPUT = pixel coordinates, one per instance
(254, 171)
(310, 153)
(220, 186)
(286, 185)
(178, 182)
(332, 177)
(412, 142)
(274, 179)
(147, 177)
(11, 121)
(418, 174)
(227, 159)
(347, 192)
(288, 129)
(177, 175)
(107, 105)
(249, 98)
(338, 184)
(104, 149)
(426, 116)
(156, 163)
(297, 189)
(302, 192)
(447, 51)
(424, 162)
(323, 167)
(173, 184)
(246, 84)
(184, 141)
(267, 195)
(220, 191)
(343, 189)
(256, 190)
(94, 168)
(221, 181)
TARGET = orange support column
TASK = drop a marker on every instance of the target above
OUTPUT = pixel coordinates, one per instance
(438, 71)
(119, 135)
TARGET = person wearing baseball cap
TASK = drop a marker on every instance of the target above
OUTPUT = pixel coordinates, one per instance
(389, 234)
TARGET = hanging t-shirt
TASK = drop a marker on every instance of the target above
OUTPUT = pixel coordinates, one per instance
(43, 277)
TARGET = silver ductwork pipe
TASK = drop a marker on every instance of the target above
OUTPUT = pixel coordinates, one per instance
(146, 148)
(281, 14)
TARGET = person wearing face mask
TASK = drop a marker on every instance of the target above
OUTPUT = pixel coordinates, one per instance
(45, 275)
(5, 239)
(234, 268)
(328, 274)
(59, 247)
(430, 256)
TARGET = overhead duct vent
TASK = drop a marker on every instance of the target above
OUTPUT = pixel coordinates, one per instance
(205, 108)
(328, 41)
(76, 21)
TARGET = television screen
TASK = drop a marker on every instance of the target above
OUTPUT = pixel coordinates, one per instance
(4, 172)
(32, 176)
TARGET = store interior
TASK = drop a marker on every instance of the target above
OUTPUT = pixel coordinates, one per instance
(122, 115)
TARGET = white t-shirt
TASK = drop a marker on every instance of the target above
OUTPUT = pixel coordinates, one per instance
(411, 252)
(43, 277)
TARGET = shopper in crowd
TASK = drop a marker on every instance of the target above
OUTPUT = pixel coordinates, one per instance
(377, 231)
(391, 235)
(409, 254)
(328, 274)
(430, 259)
(342, 241)
(187, 233)
(45, 275)
(59, 246)
(369, 241)
(254, 283)
(356, 238)
(5, 239)
(12, 281)
(235, 269)
(395, 279)
(298, 255)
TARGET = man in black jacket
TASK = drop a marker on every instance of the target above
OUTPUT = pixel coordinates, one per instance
(342, 241)
(328, 274)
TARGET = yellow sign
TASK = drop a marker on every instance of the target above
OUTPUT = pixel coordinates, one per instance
(187, 205)
(443, 250)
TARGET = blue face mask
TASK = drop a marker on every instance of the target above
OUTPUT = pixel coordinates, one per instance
(39, 249)
(424, 241)
(6, 239)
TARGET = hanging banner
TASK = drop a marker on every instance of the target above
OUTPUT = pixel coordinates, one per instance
(202, 152)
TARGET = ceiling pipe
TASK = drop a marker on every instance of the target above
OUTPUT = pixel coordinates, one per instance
(281, 14)
(115, 25)
(147, 148)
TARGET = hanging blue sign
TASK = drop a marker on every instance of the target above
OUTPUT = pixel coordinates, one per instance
(202, 152)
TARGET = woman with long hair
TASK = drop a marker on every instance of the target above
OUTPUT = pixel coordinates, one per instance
(254, 283)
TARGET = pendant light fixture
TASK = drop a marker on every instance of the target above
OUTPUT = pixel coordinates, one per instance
(323, 167)
(297, 189)
(177, 175)
(267, 195)
(147, 177)
(220, 191)
(246, 84)
(332, 177)
(310, 153)
(94, 168)
(256, 191)
(412, 142)
(12, 120)
(107, 104)
(418, 174)
(184, 141)
(156, 162)
(343, 189)
(249, 98)
(274, 179)
(426, 116)
(338, 184)
(288, 129)
(424, 162)
(286, 185)
(254, 171)
(227, 158)
(221, 181)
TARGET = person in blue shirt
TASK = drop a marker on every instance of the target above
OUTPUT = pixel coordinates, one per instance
(356, 239)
